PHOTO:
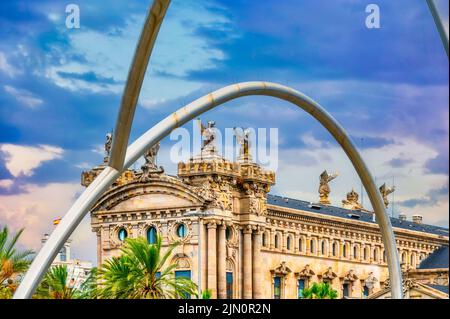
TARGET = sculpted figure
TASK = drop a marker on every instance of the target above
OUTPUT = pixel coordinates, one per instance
(209, 137)
(150, 166)
(385, 192)
(243, 139)
(108, 144)
(324, 188)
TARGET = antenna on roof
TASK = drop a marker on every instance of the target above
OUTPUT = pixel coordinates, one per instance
(362, 187)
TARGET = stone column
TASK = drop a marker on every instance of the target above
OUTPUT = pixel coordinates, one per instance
(257, 264)
(203, 251)
(221, 263)
(247, 294)
(212, 259)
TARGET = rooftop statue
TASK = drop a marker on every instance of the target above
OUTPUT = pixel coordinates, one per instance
(324, 188)
(352, 201)
(108, 145)
(243, 139)
(385, 192)
(209, 137)
(150, 167)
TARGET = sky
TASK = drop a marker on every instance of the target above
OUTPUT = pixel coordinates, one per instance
(60, 91)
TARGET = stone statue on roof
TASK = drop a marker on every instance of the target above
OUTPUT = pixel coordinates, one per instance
(385, 192)
(209, 137)
(324, 188)
(243, 139)
(108, 145)
(150, 168)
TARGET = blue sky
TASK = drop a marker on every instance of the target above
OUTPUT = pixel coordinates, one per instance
(60, 90)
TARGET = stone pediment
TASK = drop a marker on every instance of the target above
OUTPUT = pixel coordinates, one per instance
(156, 193)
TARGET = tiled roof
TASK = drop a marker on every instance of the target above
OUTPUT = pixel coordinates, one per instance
(351, 214)
(437, 259)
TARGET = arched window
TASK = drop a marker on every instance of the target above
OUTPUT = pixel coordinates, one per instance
(334, 248)
(300, 245)
(122, 234)
(277, 241)
(375, 254)
(355, 252)
(151, 235)
(264, 240)
(312, 247)
(323, 248)
(344, 250)
(288, 243)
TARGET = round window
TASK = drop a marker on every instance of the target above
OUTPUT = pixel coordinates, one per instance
(181, 231)
(123, 234)
(151, 235)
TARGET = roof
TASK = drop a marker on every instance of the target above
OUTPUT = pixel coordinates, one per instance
(437, 259)
(441, 288)
(352, 214)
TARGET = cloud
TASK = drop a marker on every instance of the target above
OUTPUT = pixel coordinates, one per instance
(6, 183)
(5, 67)
(23, 160)
(35, 210)
(399, 162)
(24, 97)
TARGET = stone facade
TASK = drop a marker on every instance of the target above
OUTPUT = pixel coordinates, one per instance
(241, 244)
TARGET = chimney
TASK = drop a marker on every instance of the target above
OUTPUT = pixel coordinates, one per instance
(417, 219)
(402, 217)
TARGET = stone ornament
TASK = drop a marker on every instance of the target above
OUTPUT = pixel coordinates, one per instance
(385, 192)
(324, 188)
(352, 201)
(150, 169)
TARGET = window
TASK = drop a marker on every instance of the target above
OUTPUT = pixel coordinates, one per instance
(323, 249)
(151, 235)
(334, 249)
(344, 251)
(277, 287)
(375, 255)
(229, 285)
(355, 252)
(365, 292)
(346, 289)
(365, 253)
(229, 233)
(277, 244)
(288, 243)
(264, 240)
(63, 254)
(312, 248)
(183, 274)
(301, 285)
(181, 231)
(123, 234)
(300, 245)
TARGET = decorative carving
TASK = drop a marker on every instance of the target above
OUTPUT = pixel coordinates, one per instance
(350, 276)
(208, 137)
(370, 282)
(352, 201)
(150, 169)
(282, 270)
(306, 272)
(324, 188)
(258, 206)
(385, 192)
(329, 274)
(108, 146)
(243, 139)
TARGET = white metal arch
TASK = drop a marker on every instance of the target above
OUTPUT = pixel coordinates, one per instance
(182, 116)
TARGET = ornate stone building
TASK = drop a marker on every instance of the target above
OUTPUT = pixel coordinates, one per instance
(242, 242)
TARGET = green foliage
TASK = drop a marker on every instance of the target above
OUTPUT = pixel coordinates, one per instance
(206, 294)
(319, 291)
(55, 285)
(140, 273)
(12, 262)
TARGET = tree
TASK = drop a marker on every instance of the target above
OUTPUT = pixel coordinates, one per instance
(12, 262)
(321, 290)
(56, 286)
(140, 273)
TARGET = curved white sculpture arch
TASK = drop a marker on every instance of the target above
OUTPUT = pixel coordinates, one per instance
(182, 116)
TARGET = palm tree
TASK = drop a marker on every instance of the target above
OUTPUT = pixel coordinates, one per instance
(56, 286)
(321, 290)
(140, 273)
(12, 262)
